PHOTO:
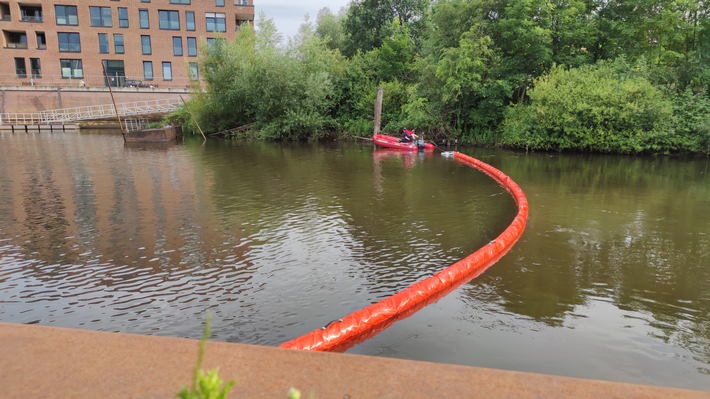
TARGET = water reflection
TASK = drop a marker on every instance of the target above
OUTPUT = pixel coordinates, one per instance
(619, 228)
(610, 279)
(612, 271)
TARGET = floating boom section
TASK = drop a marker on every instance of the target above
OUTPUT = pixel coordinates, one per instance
(367, 322)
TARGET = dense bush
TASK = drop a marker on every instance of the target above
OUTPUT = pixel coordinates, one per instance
(285, 94)
(606, 107)
(691, 121)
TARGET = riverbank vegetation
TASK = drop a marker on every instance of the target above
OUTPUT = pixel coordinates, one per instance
(584, 75)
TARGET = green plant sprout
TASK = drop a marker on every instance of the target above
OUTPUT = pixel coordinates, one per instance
(205, 385)
(294, 393)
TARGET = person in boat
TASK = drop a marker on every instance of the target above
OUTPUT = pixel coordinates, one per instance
(408, 136)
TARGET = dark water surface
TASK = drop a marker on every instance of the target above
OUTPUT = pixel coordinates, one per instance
(611, 279)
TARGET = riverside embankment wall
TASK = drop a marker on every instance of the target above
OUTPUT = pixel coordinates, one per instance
(50, 362)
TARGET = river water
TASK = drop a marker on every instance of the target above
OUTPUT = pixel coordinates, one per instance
(611, 279)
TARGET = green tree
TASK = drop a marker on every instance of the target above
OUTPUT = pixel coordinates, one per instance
(525, 41)
(329, 27)
(395, 58)
(460, 89)
(283, 93)
(669, 33)
(358, 92)
(368, 22)
(572, 32)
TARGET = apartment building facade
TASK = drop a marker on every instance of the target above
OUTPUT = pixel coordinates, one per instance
(70, 42)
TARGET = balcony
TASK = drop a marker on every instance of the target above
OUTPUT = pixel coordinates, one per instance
(17, 45)
(15, 39)
(244, 8)
(243, 12)
(31, 18)
(5, 18)
(30, 14)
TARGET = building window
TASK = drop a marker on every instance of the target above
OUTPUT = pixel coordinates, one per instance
(103, 43)
(35, 67)
(71, 69)
(5, 12)
(192, 46)
(145, 45)
(180, 2)
(190, 20)
(115, 71)
(167, 71)
(143, 17)
(20, 68)
(66, 15)
(177, 45)
(219, 3)
(118, 45)
(215, 42)
(194, 73)
(15, 39)
(30, 13)
(41, 41)
(69, 42)
(122, 17)
(100, 16)
(216, 22)
(145, 1)
(148, 70)
(169, 20)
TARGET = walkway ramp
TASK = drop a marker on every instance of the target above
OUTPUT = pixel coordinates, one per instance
(93, 112)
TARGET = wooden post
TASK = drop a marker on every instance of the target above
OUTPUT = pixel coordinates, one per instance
(123, 133)
(59, 97)
(378, 111)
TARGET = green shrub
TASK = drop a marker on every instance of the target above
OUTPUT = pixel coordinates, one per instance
(691, 121)
(607, 107)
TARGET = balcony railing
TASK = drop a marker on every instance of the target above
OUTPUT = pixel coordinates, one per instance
(31, 18)
(16, 45)
(5, 17)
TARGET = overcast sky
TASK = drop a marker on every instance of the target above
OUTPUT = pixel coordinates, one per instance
(288, 14)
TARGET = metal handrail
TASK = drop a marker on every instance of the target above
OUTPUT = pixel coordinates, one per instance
(92, 112)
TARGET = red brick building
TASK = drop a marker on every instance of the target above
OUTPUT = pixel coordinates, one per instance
(155, 42)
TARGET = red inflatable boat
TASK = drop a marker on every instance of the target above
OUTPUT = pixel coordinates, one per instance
(385, 141)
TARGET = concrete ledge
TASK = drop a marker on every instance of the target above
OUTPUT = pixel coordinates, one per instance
(49, 362)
